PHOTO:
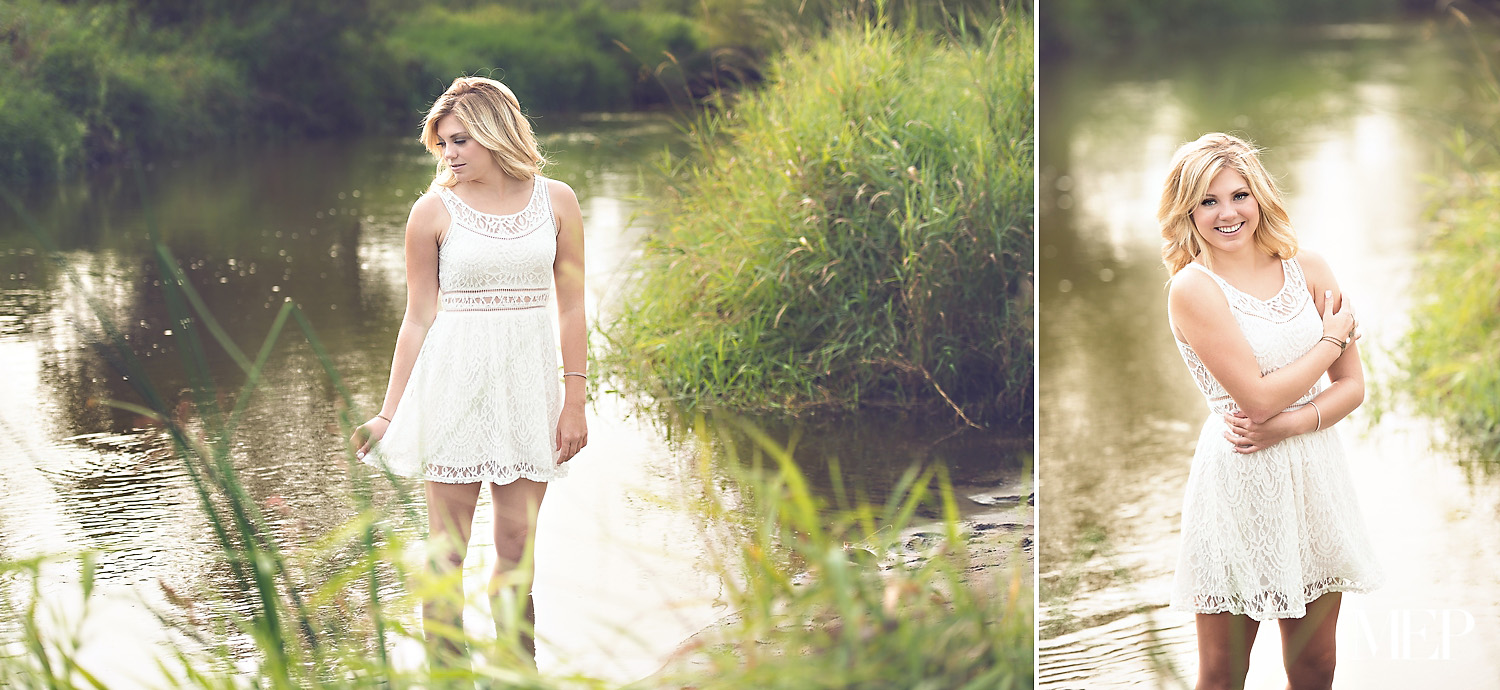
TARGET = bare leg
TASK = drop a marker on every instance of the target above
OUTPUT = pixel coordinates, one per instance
(516, 505)
(450, 518)
(1224, 642)
(1308, 644)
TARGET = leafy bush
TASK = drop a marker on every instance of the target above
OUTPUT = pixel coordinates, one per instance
(74, 90)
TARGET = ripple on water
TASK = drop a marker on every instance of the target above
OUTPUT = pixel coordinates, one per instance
(1138, 649)
(122, 494)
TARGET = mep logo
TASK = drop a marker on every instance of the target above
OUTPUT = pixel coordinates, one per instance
(1409, 634)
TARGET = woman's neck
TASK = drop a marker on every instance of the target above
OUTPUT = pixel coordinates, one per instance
(497, 185)
(1246, 263)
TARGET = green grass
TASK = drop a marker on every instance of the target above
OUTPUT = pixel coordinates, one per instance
(584, 58)
(858, 233)
(1448, 357)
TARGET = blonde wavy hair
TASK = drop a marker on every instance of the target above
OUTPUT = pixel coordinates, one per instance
(493, 118)
(1193, 167)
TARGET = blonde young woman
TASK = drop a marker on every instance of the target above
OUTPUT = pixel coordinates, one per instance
(1270, 526)
(474, 397)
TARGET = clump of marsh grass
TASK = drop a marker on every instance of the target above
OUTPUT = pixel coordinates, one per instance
(830, 597)
(858, 233)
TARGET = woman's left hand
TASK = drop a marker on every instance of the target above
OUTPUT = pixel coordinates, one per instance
(1247, 437)
(572, 433)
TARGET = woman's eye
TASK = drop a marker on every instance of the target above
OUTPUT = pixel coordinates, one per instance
(1242, 196)
(459, 142)
(1207, 202)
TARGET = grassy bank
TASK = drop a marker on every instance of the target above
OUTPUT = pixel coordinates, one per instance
(1448, 358)
(96, 81)
(858, 233)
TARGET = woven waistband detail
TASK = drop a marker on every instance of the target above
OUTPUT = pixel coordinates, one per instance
(495, 300)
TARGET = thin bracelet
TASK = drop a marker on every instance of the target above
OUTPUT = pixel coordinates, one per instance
(387, 419)
(1341, 343)
(1319, 411)
(579, 374)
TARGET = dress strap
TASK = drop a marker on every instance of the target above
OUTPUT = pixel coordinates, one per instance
(451, 201)
(544, 197)
(1223, 284)
(1280, 307)
(1295, 279)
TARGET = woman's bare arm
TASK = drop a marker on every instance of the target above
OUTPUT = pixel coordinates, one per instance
(567, 273)
(1347, 374)
(1345, 392)
(424, 229)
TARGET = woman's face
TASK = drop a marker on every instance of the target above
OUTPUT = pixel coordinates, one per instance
(1227, 216)
(466, 157)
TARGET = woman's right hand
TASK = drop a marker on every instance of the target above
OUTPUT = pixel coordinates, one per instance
(365, 435)
(1340, 324)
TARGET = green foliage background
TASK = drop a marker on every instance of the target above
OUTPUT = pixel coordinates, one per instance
(99, 80)
(1085, 25)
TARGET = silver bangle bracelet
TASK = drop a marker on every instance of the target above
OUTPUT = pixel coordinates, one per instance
(579, 374)
(1319, 411)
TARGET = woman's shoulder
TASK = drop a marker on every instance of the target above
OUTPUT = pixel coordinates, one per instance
(1313, 264)
(1190, 278)
(559, 191)
(1193, 290)
(428, 213)
(1314, 267)
(429, 206)
(564, 201)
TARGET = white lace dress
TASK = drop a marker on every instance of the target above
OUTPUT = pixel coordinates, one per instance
(1264, 534)
(483, 399)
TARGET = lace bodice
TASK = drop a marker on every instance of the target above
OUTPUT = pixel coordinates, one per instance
(491, 262)
(1279, 331)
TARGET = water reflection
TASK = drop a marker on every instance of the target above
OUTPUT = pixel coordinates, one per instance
(1345, 118)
